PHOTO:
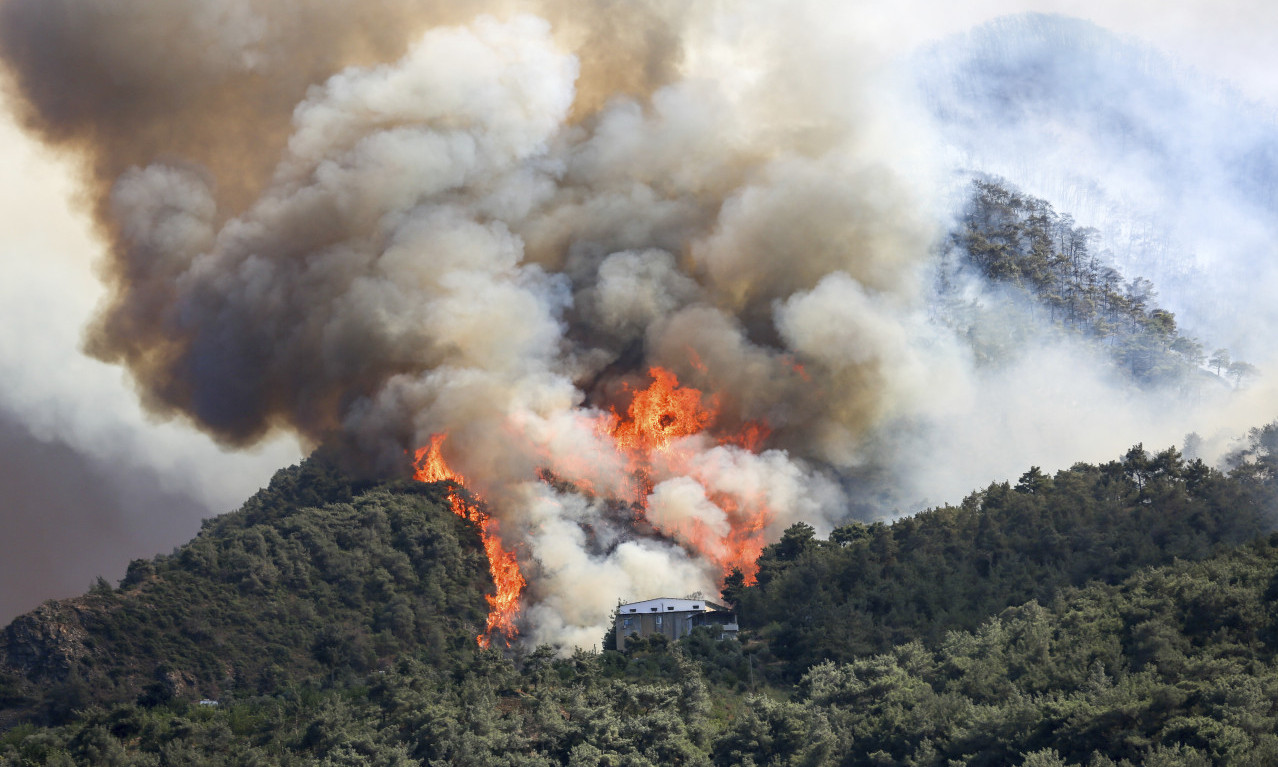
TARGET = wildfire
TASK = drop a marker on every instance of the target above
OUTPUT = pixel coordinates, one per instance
(503, 607)
(655, 418)
(648, 437)
(661, 413)
(654, 445)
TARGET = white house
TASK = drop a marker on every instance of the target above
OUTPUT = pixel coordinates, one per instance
(674, 617)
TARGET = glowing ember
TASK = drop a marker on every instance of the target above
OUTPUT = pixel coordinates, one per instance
(503, 606)
(750, 437)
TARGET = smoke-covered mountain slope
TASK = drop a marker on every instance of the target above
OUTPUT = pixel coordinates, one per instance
(334, 622)
(1062, 354)
(1016, 273)
(1176, 171)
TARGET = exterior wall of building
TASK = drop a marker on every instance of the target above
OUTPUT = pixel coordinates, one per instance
(673, 618)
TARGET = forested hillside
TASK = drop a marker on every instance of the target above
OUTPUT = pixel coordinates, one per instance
(1020, 243)
(873, 586)
(313, 577)
(1125, 613)
(1173, 666)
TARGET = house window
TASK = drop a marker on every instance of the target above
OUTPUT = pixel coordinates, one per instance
(652, 609)
(634, 609)
(658, 620)
(669, 608)
(696, 607)
(625, 623)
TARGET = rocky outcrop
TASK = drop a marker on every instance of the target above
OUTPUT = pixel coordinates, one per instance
(46, 643)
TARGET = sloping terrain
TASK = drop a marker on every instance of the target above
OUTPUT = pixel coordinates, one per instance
(314, 576)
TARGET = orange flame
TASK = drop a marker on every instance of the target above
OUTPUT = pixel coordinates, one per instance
(661, 413)
(503, 607)
(751, 436)
(650, 441)
(655, 418)
(648, 438)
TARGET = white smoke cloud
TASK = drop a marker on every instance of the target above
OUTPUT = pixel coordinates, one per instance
(637, 288)
(679, 507)
(577, 591)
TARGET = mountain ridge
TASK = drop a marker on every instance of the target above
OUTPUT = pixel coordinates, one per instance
(315, 663)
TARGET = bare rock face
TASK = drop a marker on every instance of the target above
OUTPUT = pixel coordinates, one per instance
(178, 684)
(46, 643)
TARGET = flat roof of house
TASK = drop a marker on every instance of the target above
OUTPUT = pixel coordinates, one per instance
(671, 604)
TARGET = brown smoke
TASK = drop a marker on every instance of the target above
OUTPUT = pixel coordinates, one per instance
(209, 90)
(376, 221)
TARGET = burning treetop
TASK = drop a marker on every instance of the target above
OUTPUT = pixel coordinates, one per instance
(503, 607)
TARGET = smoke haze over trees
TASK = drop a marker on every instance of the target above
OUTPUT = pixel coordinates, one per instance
(1023, 243)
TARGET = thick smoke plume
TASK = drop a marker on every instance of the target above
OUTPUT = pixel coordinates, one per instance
(372, 223)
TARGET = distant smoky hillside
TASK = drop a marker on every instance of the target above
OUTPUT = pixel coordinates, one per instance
(1016, 272)
(1178, 173)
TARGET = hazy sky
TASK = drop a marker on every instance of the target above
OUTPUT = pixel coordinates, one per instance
(1231, 40)
(89, 482)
